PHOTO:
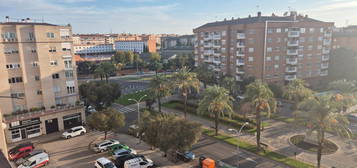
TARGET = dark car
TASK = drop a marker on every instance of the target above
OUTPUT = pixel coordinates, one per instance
(20, 151)
(185, 156)
(119, 161)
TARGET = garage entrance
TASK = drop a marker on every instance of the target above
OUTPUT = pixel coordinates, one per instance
(72, 120)
(51, 125)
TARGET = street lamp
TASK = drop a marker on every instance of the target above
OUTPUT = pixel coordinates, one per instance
(238, 133)
(138, 106)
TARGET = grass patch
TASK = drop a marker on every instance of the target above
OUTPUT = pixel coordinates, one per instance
(252, 148)
(236, 121)
(328, 146)
(124, 99)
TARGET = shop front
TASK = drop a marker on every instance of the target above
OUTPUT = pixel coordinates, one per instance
(72, 120)
(24, 129)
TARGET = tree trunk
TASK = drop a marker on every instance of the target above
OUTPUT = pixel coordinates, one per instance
(105, 135)
(159, 103)
(204, 85)
(101, 77)
(257, 118)
(106, 78)
(216, 122)
(185, 106)
(321, 137)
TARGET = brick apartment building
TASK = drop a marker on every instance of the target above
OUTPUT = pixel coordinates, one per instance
(37, 65)
(345, 37)
(272, 48)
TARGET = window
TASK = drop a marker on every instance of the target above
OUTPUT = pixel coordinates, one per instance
(278, 40)
(321, 30)
(276, 66)
(251, 50)
(224, 33)
(50, 35)
(66, 46)
(268, 58)
(278, 30)
(312, 30)
(17, 95)
(39, 92)
(53, 63)
(71, 89)
(276, 58)
(37, 78)
(251, 31)
(302, 30)
(310, 47)
(12, 66)
(35, 64)
(302, 39)
(269, 49)
(319, 47)
(270, 31)
(250, 59)
(55, 76)
(69, 74)
(33, 50)
(270, 40)
(320, 38)
(31, 36)
(52, 49)
(68, 64)
(15, 80)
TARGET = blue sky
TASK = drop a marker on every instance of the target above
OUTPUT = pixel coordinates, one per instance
(167, 16)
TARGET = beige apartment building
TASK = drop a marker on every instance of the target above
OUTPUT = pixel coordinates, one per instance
(37, 65)
(272, 48)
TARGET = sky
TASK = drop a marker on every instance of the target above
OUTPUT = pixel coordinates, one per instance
(167, 16)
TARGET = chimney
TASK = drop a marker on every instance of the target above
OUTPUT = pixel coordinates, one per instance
(259, 14)
(7, 18)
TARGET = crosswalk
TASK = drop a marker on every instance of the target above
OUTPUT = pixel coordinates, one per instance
(126, 110)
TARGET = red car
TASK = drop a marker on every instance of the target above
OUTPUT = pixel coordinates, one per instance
(20, 151)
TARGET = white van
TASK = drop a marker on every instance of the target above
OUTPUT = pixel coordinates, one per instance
(139, 162)
(38, 160)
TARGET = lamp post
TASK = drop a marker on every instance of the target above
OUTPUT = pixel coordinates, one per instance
(138, 105)
(238, 133)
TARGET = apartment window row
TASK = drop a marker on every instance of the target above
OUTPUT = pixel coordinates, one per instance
(12, 66)
(17, 95)
(39, 92)
(69, 74)
(55, 76)
(68, 64)
(71, 89)
(35, 64)
(53, 63)
(302, 30)
(15, 80)
(8, 35)
(11, 51)
(50, 35)
(37, 78)
(52, 49)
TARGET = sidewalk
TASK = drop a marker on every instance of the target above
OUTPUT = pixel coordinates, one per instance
(277, 135)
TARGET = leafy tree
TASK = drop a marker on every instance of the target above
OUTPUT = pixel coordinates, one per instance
(105, 69)
(343, 86)
(86, 67)
(149, 102)
(230, 84)
(124, 57)
(185, 81)
(262, 99)
(276, 89)
(106, 120)
(296, 91)
(160, 87)
(155, 57)
(137, 60)
(217, 102)
(246, 81)
(320, 114)
(205, 75)
(155, 63)
(99, 94)
(342, 63)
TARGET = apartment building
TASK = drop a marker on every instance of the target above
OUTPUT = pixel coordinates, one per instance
(37, 65)
(93, 49)
(142, 46)
(272, 48)
(345, 37)
(177, 45)
(94, 39)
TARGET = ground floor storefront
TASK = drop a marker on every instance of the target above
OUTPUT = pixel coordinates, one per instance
(46, 123)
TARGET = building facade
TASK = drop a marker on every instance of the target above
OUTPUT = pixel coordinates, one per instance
(93, 49)
(345, 37)
(37, 65)
(177, 45)
(272, 48)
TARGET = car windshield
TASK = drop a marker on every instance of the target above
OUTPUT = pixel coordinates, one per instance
(109, 165)
(70, 130)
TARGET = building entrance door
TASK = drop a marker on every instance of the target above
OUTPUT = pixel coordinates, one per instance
(23, 133)
(51, 125)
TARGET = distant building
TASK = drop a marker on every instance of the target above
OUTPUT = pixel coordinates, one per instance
(177, 45)
(141, 44)
(345, 37)
(37, 65)
(272, 48)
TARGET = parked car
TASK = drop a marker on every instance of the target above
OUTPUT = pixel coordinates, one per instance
(105, 145)
(104, 163)
(116, 147)
(185, 156)
(73, 132)
(119, 161)
(31, 154)
(133, 130)
(36, 161)
(20, 151)
(90, 110)
(138, 162)
(122, 152)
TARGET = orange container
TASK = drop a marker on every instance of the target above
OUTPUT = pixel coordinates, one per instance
(208, 163)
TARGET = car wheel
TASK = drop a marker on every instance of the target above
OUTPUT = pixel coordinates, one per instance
(82, 133)
(102, 150)
(69, 136)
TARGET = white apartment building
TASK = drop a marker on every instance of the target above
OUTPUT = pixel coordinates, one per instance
(134, 46)
(93, 49)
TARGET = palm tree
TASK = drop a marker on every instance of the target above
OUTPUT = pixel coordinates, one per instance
(296, 91)
(205, 75)
(216, 101)
(230, 84)
(262, 99)
(185, 81)
(321, 114)
(160, 88)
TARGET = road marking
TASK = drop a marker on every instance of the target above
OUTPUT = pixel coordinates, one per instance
(125, 110)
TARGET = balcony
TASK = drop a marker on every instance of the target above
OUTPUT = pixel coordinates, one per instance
(207, 37)
(240, 71)
(292, 61)
(293, 43)
(291, 69)
(324, 66)
(208, 60)
(240, 62)
(9, 39)
(292, 52)
(240, 45)
(328, 34)
(216, 45)
(216, 36)
(239, 78)
(195, 58)
(290, 77)
(240, 54)
(240, 36)
(325, 58)
(294, 33)
(208, 45)
(325, 51)
(327, 42)
(324, 73)
(216, 60)
(208, 52)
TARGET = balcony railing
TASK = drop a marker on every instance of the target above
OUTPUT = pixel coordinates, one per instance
(216, 36)
(324, 65)
(324, 73)
(240, 62)
(240, 36)
(215, 45)
(292, 52)
(240, 54)
(290, 77)
(327, 42)
(293, 43)
(325, 51)
(292, 61)
(325, 58)
(208, 52)
(294, 34)
(240, 45)
(240, 71)
(291, 69)
(208, 45)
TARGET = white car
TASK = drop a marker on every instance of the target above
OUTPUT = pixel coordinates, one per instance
(138, 162)
(104, 145)
(121, 152)
(75, 131)
(35, 161)
(104, 163)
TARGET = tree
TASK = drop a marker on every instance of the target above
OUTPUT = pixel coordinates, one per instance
(160, 87)
(320, 114)
(343, 86)
(137, 60)
(168, 132)
(105, 69)
(124, 57)
(296, 91)
(99, 94)
(230, 84)
(106, 120)
(216, 101)
(185, 81)
(205, 75)
(342, 63)
(262, 99)
(155, 63)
